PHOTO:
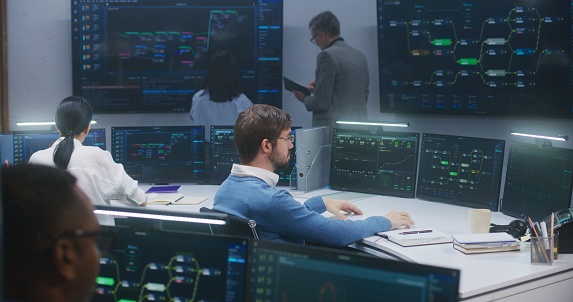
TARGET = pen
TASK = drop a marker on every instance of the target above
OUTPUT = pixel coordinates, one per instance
(415, 232)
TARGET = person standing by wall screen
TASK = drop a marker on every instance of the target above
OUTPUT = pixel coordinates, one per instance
(340, 89)
(220, 100)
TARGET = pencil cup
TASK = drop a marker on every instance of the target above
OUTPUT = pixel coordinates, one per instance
(542, 250)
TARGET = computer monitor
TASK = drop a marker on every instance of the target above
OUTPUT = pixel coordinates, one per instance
(382, 163)
(161, 154)
(6, 148)
(170, 266)
(461, 170)
(313, 150)
(289, 272)
(538, 180)
(27, 142)
(224, 155)
(142, 56)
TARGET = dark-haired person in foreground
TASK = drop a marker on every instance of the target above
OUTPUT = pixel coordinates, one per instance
(50, 253)
(98, 175)
(263, 139)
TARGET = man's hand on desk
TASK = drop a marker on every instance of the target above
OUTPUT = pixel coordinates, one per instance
(399, 219)
(334, 206)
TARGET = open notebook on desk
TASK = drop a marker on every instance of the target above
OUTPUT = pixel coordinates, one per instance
(174, 199)
(413, 236)
(416, 236)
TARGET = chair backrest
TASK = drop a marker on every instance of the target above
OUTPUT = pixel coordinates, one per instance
(237, 226)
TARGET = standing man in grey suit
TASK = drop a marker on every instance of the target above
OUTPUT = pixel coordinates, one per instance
(340, 88)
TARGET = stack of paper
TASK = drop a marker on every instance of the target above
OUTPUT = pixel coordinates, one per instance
(416, 236)
(485, 243)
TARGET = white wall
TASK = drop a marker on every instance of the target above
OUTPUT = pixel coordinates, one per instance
(39, 70)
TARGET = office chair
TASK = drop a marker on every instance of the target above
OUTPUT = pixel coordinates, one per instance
(236, 226)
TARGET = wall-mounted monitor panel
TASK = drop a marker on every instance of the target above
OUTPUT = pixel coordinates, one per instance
(382, 163)
(538, 180)
(146, 56)
(161, 154)
(487, 57)
(460, 170)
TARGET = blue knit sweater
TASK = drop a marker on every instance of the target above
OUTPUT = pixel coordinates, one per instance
(280, 217)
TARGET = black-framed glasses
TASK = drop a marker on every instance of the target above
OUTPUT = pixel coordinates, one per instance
(288, 137)
(104, 238)
(312, 39)
(80, 233)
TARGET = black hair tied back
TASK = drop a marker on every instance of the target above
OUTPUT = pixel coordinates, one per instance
(72, 117)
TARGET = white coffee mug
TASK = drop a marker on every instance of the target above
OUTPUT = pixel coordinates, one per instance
(479, 220)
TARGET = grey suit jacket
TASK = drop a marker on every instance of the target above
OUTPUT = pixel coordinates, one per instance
(341, 86)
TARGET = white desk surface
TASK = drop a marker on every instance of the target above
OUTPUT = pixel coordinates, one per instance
(481, 274)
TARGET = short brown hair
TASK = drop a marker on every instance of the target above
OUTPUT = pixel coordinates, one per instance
(255, 124)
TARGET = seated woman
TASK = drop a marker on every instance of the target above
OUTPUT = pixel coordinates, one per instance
(97, 174)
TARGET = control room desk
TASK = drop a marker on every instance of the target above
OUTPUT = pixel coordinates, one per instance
(505, 276)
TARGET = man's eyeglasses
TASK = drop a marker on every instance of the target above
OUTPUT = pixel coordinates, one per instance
(80, 233)
(104, 238)
(312, 39)
(288, 137)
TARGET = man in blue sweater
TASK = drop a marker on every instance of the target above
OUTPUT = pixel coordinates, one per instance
(263, 139)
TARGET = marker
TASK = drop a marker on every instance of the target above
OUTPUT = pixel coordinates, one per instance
(415, 232)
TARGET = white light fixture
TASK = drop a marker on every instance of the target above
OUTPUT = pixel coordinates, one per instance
(562, 138)
(388, 124)
(167, 217)
(25, 124)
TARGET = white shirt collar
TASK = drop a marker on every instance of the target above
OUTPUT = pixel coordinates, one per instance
(267, 176)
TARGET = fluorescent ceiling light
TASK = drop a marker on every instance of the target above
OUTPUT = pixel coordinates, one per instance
(24, 124)
(562, 138)
(388, 124)
(161, 217)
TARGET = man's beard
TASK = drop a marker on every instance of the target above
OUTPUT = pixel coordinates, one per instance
(279, 162)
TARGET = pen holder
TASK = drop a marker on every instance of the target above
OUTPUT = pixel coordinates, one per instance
(542, 250)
